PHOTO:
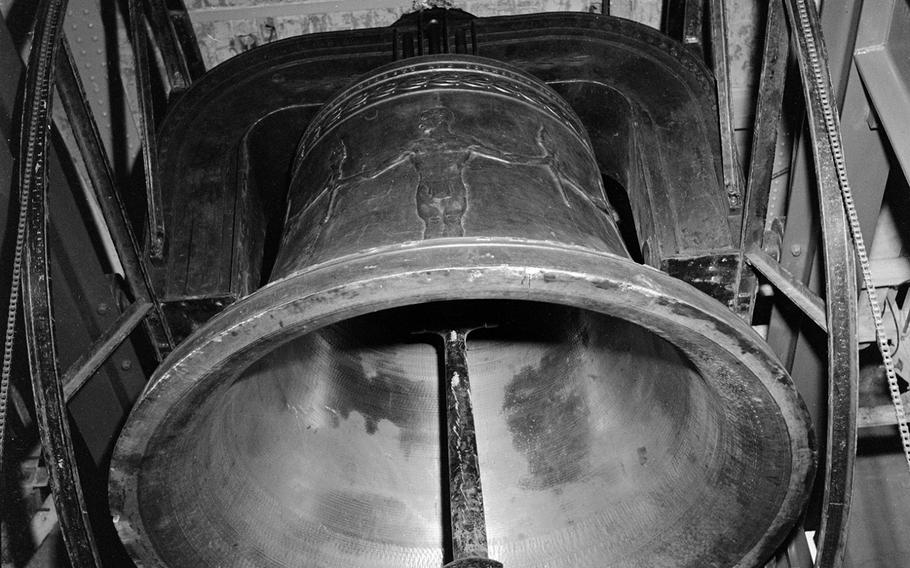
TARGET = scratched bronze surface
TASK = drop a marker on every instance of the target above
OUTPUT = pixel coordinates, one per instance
(622, 418)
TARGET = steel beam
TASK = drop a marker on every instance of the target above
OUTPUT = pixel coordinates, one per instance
(793, 289)
(82, 370)
(732, 174)
(882, 56)
(867, 165)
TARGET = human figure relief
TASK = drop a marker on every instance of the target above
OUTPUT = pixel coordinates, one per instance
(563, 180)
(336, 180)
(440, 158)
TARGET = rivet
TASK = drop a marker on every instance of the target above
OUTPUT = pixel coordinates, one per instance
(126, 364)
(796, 250)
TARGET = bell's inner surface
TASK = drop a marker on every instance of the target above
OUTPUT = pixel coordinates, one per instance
(622, 418)
(599, 444)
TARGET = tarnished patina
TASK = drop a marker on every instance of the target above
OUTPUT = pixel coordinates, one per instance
(621, 417)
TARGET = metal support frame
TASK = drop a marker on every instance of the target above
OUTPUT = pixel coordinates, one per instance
(840, 282)
(683, 20)
(50, 404)
(99, 170)
(52, 393)
(184, 35)
(798, 347)
(867, 166)
(148, 130)
(732, 174)
(764, 142)
(840, 275)
(881, 59)
(165, 35)
(840, 272)
(797, 292)
(83, 369)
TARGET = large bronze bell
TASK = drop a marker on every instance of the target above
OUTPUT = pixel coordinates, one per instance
(621, 417)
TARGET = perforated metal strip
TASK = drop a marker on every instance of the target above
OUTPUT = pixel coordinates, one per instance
(832, 129)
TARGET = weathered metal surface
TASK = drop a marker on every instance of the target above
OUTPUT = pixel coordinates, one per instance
(764, 145)
(155, 230)
(605, 67)
(461, 147)
(798, 348)
(468, 526)
(840, 282)
(80, 285)
(98, 167)
(50, 405)
(717, 19)
(83, 369)
(881, 58)
(96, 31)
(693, 33)
(764, 136)
(790, 287)
(186, 315)
(683, 20)
(173, 52)
(385, 416)
(620, 416)
(713, 274)
(438, 30)
(799, 343)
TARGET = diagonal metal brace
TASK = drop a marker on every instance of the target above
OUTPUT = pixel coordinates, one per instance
(797, 292)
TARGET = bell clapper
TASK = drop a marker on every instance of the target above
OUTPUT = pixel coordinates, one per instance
(469, 534)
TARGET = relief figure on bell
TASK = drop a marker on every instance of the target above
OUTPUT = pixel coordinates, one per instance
(440, 157)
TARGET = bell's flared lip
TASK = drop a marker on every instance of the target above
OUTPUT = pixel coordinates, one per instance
(459, 269)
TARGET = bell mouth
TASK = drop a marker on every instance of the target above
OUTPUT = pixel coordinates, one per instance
(619, 415)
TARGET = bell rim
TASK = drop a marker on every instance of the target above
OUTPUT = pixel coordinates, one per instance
(454, 269)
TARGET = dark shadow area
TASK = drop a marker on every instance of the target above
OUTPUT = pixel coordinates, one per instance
(619, 199)
(271, 148)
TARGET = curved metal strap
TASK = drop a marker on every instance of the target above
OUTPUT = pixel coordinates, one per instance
(50, 405)
(840, 287)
